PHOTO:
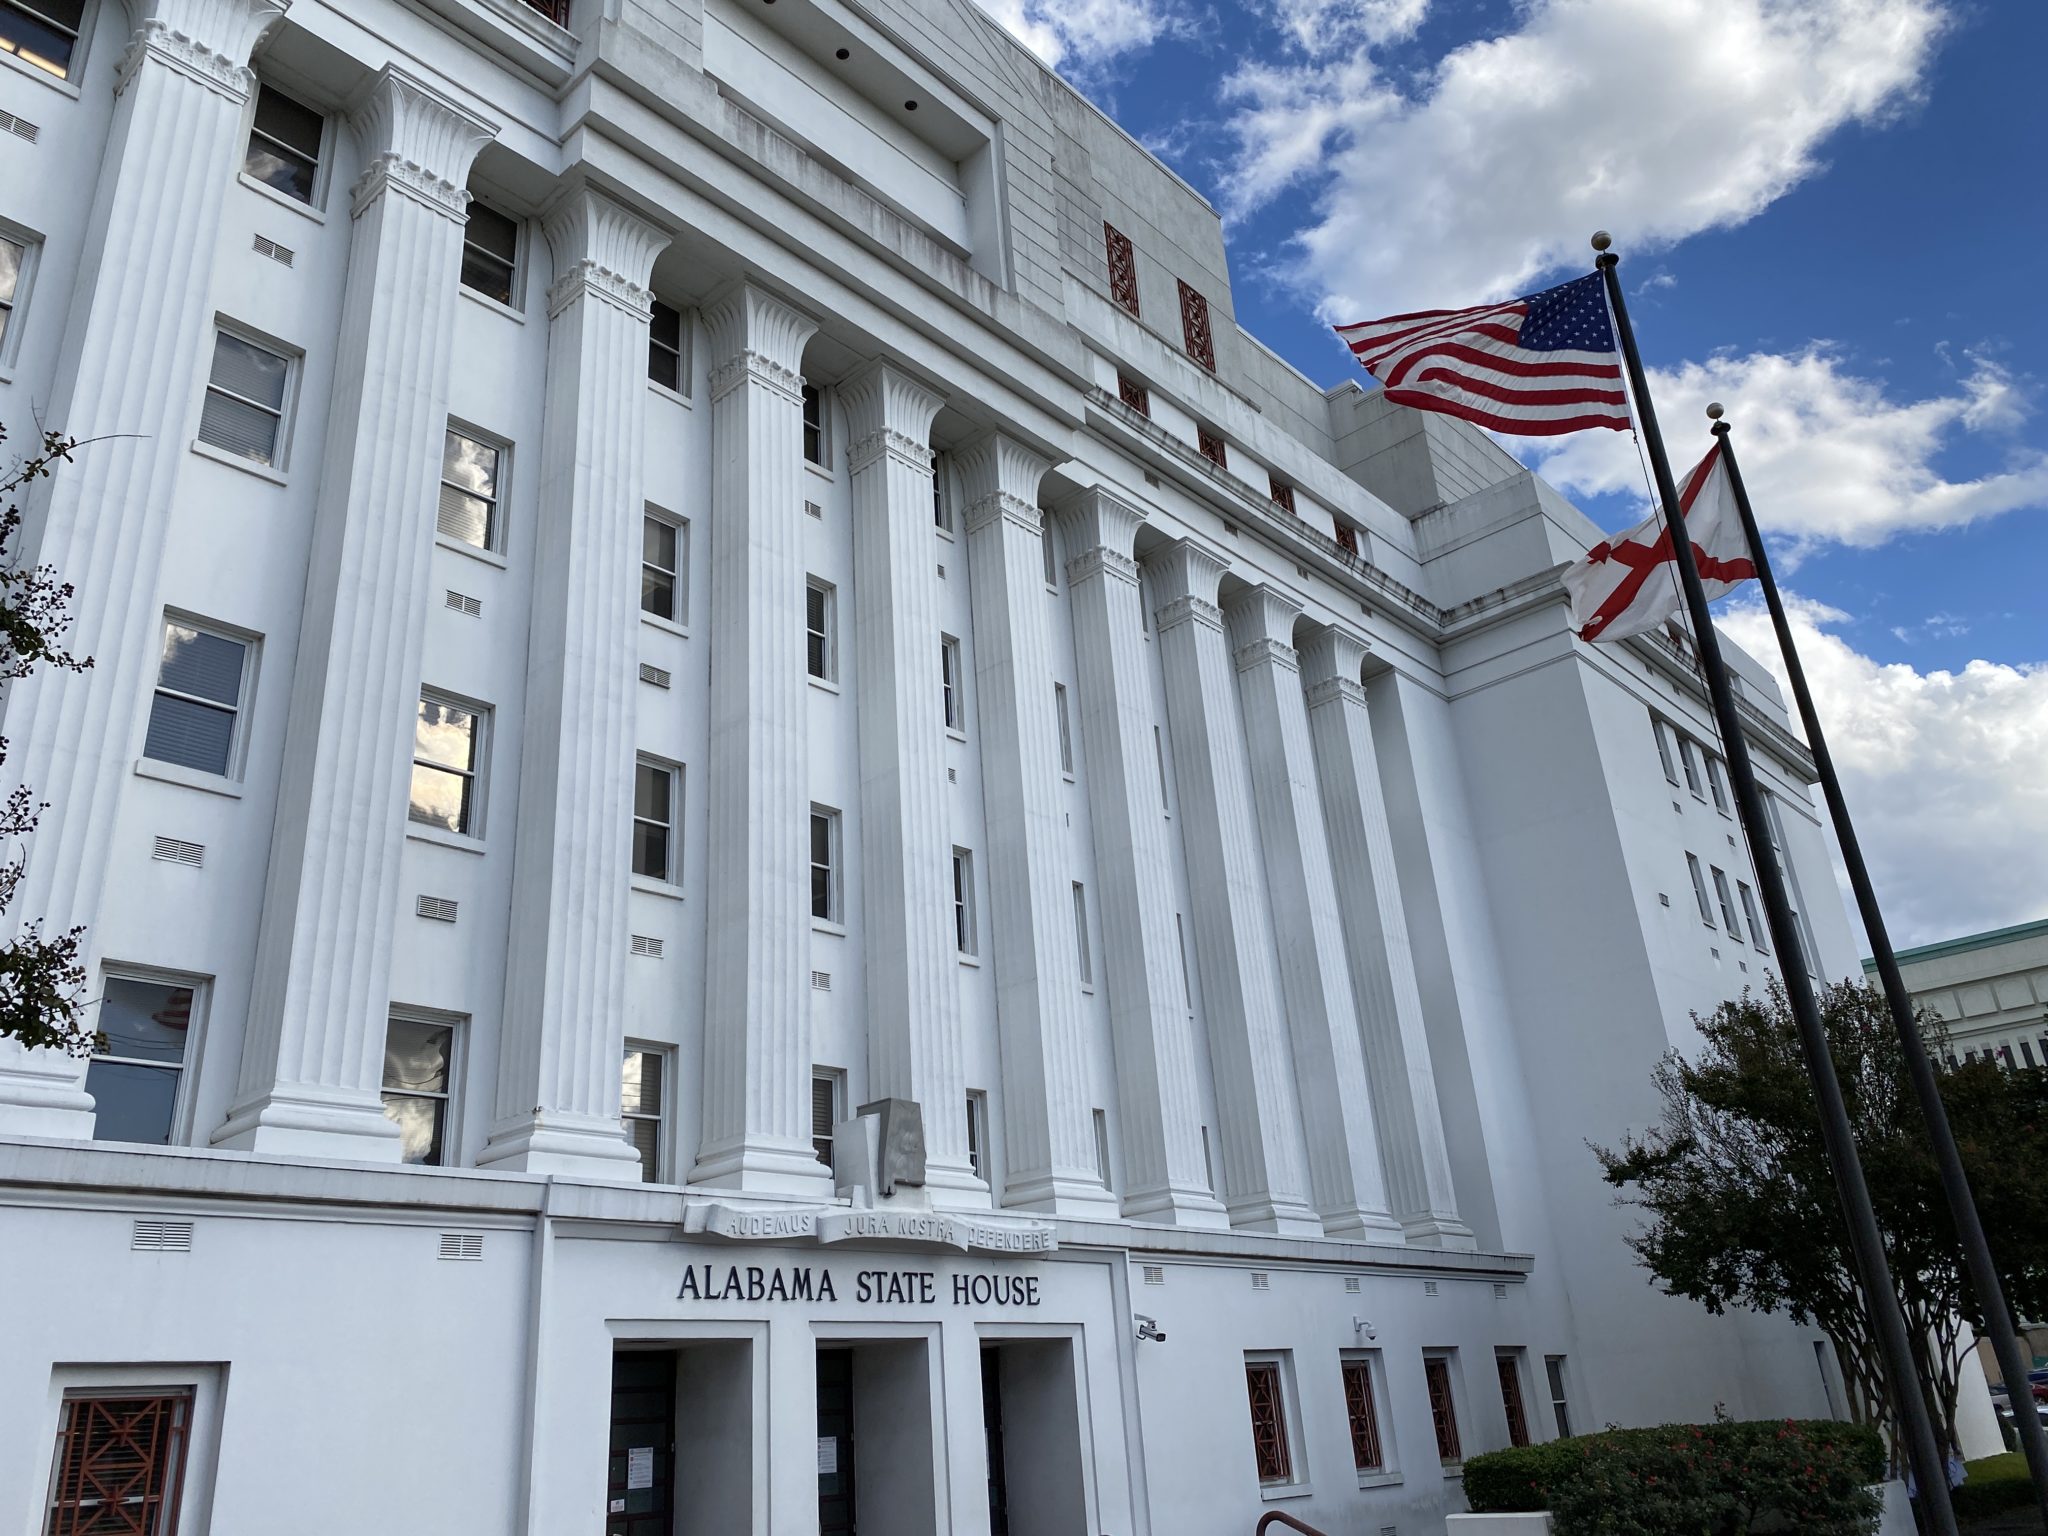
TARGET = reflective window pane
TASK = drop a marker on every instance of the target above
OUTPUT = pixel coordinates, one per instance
(440, 798)
(420, 1123)
(417, 1056)
(651, 785)
(132, 1103)
(238, 427)
(292, 124)
(11, 256)
(207, 665)
(245, 369)
(642, 1083)
(45, 34)
(658, 543)
(445, 734)
(147, 1020)
(657, 592)
(190, 734)
(464, 518)
(472, 465)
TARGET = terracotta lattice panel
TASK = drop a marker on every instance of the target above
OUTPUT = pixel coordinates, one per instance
(1123, 267)
(1194, 328)
(120, 1465)
(1269, 1422)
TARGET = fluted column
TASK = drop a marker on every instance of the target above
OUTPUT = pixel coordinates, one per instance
(1266, 1181)
(757, 1024)
(1049, 1134)
(913, 970)
(1315, 979)
(312, 1060)
(136, 349)
(564, 1026)
(1158, 1097)
(1406, 1111)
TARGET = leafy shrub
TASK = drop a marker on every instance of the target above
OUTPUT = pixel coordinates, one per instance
(1691, 1480)
(1995, 1484)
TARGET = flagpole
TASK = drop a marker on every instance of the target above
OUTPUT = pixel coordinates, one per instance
(1837, 1135)
(1955, 1183)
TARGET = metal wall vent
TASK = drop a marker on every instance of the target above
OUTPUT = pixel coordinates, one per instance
(462, 602)
(1351, 1285)
(281, 254)
(20, 127)
(942, 573)
(643, 945)
(952, 775)
(1663, 900)
(1500, 1292)
(812, 509)
(161, 1236)
(1155, 1274)
(654, 675)
(439, 908)
(175, 850)
(1261, 1281)
(821, 981)
(467, 1246)
(1429, 1287)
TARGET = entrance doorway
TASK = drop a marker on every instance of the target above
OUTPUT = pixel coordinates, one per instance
(835, 1442)
(992, 1425)
(1031, 1413)
(640, 1481)
(878, 1467)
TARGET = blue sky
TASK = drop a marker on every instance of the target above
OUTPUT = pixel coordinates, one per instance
(1830, 218)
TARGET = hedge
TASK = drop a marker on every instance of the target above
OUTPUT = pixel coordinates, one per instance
(1723, 1479)
(1995, 1484)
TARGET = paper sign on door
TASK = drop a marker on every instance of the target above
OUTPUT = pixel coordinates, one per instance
(828, 1455)
(639, 1467)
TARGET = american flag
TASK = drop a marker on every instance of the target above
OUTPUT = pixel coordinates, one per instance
(1534, 366)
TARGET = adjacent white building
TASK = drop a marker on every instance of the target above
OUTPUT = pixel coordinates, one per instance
(662, 571)
(1990, 990)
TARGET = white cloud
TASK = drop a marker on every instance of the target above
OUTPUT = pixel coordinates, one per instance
(1324, 26)
(1827, 455)
(1942, 772)
(1656, 119)
(1083, 35)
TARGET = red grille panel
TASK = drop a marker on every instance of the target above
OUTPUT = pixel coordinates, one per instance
(1365, 1417)
(1443, 1410)
(120, 1465)
(1269, 1422)
(1134, 394)
(1123, 267)
(1194, 328)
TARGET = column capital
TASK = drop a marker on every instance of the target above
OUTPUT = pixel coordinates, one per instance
(209, 41)
(1001, 477)
(602, 250)
(1331, 661)
(1102, 530)
(1264, 613)
(754, 334)
(416, 141)
(887, 411)
(1187, 577)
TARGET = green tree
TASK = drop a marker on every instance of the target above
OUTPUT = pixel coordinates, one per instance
(1742, 1209)
(40, 975)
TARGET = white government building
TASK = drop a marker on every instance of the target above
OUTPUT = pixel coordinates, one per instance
(679, 589)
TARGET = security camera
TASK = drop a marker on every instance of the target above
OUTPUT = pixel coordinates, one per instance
(1149, 1329)
(1363, 1328)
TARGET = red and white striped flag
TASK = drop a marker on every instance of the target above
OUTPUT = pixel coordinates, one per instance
(1629, 584)
(1535, 366)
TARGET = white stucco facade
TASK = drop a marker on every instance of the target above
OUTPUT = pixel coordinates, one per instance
(1196, 804)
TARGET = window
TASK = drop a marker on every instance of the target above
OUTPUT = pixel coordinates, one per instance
(949, 682)
(1756, 929)
(195, 713)
(1101, 1120)
(1159, 760)
(825, 1096)
(1361, 1407)
(469, 492)
(977, 1133)
(966, 932)
(1281, 492)
(643, 1106)
(1211, 446)
(1187, 991)
(1663, 734)
(1553, 1370)
(2027, 1052)
(245, 394)
(665, 349)
(1047, 553)
(1271, 1449)
(814, 426)
(1133, 394)
(1123, 267)
(1689, 755)
(419, 1062)
(1059, 709)
(656, 791)
(447, 746)
(1699, 890)
(664, 552)
(1081, 934)
(1347, 538)
(1510, 1371)
(42, 32)
(14, 262)
(942, 514)
(490, 252)
(824, 864)
(1194, 328)
(1727, 904)
(136, 1078)
(1717, 783)
(820, 646)
(120, 1462)
(1443, 1408)
(284, 145)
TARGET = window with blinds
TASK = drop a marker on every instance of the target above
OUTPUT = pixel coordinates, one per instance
(120, 1464)
(1560, 1410)
(243, 413)
(470, 474)
(1510, 1371)
(195, 713)
(824, 1112)
(1367, 1452)
(1269, 1421)
(490, 252)
(1443, 1408)
(284, 145)
(643, 1106)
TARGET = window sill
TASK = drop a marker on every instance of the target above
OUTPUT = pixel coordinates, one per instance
(1379, 1479)
(820, 471)
(188, 778)
(246, 465)
(944, 532)
(492, 304)
(1087, 989)
(44, 77)
(441, 837)
(1455, 1472)
(1272, 1491)
(955, 734)
(823, 684)
(673, 396)
(969, 960)
(284, 200)
(826, 925)
(1067, 775)
(647, 885)
(666, 626)
(488, 557)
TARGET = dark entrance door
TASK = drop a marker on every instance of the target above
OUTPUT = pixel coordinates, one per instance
(835, 1442)
(992, 1422)
(640, 1483)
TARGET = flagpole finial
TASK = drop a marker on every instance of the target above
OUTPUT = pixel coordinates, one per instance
(1602, 239)
(1714, 411)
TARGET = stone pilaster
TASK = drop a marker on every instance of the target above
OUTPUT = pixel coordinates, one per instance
(1407, 1114)
(1158, 1098)
(757, 1023)
(1049, 1133)
(913, 971)
(312, 1060)
(1315, 980)
(138, 344)
(1266, 1182)
(564, 1024)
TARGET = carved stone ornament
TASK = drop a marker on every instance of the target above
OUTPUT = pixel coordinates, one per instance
(1106, 563)
(754, 366)
(1001, 504)
(593, 278)
(1331, 689)
(391, 172)
(188, 56)
(1266, 652)
(907, 451)
(1183, 609)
